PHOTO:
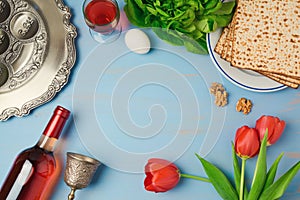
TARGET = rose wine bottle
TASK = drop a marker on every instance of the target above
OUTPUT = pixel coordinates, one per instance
(34, 168)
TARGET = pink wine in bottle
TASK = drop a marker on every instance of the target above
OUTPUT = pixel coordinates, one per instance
(33, 170)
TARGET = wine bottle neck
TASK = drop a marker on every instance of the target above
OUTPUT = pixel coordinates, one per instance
(47, 143)
(53, 129)
(57, 122)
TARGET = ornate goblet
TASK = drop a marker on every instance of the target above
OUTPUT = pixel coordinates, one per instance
(79, 172)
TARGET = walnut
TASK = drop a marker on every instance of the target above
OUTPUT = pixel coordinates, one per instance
(220, 94)
(244, 105)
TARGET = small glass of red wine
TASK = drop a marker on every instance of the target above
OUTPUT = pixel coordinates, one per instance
(102, 17)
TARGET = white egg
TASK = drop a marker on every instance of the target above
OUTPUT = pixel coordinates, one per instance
(137, 41)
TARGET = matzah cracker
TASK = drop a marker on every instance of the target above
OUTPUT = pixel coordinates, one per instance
(220, 44)
(229, 39)
(282, 81)
(227, 45)
(291, 82)
(267, 36)
(282, 77)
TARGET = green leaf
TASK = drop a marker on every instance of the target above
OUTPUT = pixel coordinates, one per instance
(188, 18)
(204, 1)
(148, 20)
(236, 170)
(216, 8)
(260, 172)
(211, 4)
(157, 3)
(182, 16)
(272, 172)
(226, 9)
(191, 28)
(201, 10)
(177, 15)
(151, 10)
(219, 180)
(237, 173)
(206, 25)
(223, 20)
(193, 4)
(168, 36)
(140, 4)
(198, 34)
(134, 14)
(195, 46)
(277, 189)
(163, 13)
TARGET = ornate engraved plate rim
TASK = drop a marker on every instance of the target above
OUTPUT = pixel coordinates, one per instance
(60, 77)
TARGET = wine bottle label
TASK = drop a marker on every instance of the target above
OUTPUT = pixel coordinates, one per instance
(22, 178)
(47, 143)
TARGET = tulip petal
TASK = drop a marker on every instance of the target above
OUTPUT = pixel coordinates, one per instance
(278, 130)
(166, 178)
(274, 125)
(148, 183)
(246, 142)
(161, 175)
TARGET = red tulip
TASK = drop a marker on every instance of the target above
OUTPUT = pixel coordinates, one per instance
(246, 142)
(274, 125)
(161, 175)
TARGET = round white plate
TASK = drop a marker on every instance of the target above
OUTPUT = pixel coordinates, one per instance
(246, 79)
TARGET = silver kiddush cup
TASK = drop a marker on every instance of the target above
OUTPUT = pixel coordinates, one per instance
(79, 171)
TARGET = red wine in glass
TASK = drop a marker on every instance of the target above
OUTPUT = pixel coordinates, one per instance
(102, 17)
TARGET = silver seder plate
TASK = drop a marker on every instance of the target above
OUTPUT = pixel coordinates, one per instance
(37, 52)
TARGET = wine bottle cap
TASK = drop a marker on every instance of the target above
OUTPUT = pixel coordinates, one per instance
(57, 122)
(62, 112)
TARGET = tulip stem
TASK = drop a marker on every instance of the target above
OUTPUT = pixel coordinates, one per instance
(195, 177)
(242, 179)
